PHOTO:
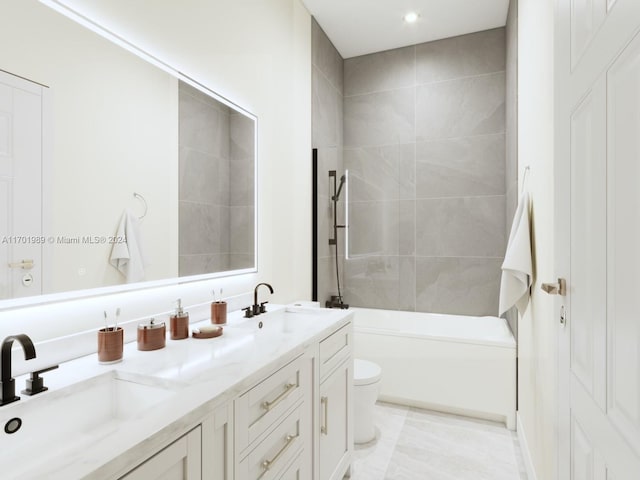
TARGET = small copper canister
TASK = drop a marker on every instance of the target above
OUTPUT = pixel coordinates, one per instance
(151, 336)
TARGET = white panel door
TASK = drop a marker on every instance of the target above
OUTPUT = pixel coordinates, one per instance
(598, 231)
(21, 239)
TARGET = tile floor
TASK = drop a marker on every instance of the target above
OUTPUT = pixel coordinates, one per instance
(415, 444)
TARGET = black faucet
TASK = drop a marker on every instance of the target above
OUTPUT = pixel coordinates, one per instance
(7, 383)
(258, 309)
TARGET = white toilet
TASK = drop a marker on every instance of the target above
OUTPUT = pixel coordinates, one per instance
(366, 386)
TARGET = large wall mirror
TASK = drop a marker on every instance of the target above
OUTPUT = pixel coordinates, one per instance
(144, 175)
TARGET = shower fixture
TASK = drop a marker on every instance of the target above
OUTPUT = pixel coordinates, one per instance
(336, 197)
(336, 300)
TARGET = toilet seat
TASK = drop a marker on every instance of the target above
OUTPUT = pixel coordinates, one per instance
(365, 372)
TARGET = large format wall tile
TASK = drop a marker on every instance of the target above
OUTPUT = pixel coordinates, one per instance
(326, 112)
(326, 57)
(327, 282)
(203, 229)
(387, 70)
(383, 118)
(380, 282)
(459, 108)
(463, 56)
(199, 264)
(460, 227)
(424, 138)
(203, 126)
(241, 229)
(461, 167)
(381, 173)
(464, 286)
(203, 178)
(382, 228)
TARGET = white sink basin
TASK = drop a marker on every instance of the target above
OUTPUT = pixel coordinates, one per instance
(80, 413)
(288, 320)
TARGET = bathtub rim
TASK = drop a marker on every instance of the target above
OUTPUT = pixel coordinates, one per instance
(507, 343)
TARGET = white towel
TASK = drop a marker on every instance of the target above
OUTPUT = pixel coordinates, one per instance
(517, 268)
(126, 254)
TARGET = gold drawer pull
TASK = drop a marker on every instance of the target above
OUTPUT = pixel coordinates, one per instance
(288, 388)
(325, 424)
(267, 464)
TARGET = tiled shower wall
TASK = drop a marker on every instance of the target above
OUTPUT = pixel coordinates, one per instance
(511, 170)
(424, 143)
(216, 222)
(326, 136)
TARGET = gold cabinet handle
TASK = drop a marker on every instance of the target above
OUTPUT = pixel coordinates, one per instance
(559, 288)
(288, 388)
(267, 464)
(325, 424)
(24, 264)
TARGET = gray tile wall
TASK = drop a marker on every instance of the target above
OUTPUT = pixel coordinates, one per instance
(204, 162)
(216, 145)
(511, 167)
(327, 137)
(424, 142)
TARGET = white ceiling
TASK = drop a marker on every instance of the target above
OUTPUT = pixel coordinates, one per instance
(358, 27)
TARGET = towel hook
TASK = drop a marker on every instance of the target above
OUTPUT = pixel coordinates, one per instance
(137, 195)
(524, 176)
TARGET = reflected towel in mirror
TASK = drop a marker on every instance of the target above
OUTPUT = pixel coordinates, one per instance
(127, 253)
(517, 268)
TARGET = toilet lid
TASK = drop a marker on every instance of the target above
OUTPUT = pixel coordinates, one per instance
(365, 372)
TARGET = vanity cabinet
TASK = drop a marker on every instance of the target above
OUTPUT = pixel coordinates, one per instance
(272, 424)
(182, 460)
(335, 412)
(295, 423)
(217, 444)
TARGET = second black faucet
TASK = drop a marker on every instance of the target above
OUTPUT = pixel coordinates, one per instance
(257, 308)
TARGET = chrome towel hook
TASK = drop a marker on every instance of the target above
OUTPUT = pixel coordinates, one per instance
(137, 195)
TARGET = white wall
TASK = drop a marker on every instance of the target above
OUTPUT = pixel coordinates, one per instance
(257, 54)
(537, 330)
(114, 121)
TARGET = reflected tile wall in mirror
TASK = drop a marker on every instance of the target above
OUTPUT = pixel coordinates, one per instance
(216, 194)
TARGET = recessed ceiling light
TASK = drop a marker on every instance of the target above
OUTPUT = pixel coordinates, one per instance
(411, 17)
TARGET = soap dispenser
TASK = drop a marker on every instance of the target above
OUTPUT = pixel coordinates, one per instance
(179, 323)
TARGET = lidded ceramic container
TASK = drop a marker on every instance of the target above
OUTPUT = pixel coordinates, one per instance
(151, 335)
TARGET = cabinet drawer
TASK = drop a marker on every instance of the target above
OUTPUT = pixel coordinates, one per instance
(294, 470)
(334, 349)
(265, 403)
(180, 461)
(273, 455)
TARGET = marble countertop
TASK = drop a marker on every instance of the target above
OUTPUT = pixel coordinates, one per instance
(201, 374)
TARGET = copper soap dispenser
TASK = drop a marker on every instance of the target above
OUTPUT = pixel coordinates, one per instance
(179, 323)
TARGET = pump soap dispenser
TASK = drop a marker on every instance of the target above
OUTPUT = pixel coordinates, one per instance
(179, 323)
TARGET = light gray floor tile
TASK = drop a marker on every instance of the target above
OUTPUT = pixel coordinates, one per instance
(415, 444)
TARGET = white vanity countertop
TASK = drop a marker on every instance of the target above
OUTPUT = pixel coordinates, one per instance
(203, 373)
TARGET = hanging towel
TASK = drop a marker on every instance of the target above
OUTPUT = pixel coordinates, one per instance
(517, 269)
(127, 255)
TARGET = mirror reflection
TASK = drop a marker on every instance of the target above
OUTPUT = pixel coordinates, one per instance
(85, 125)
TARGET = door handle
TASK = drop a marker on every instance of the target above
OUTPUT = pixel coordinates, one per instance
(24, 264)
(559, 288)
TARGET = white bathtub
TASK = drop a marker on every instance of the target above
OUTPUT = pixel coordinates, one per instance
(450, 363)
